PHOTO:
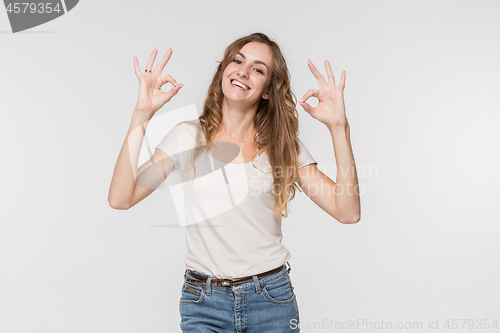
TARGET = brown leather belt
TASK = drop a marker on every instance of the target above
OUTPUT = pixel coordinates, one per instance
(227, 282)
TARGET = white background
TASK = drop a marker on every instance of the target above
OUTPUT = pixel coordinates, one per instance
(422, 99)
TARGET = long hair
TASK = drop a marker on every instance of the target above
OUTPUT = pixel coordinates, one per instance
(276, 121)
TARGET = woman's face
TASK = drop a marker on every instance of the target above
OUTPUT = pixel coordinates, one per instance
(246, 78)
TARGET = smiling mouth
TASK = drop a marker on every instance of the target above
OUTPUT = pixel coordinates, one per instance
(239, 84)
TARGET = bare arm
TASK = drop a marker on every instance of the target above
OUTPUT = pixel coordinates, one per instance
(339, 199)
(130, 185)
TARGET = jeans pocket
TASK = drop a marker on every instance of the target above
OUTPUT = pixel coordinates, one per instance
(279, 291)
(192, 293)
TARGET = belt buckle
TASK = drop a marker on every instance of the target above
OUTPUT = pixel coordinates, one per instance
(226, 283)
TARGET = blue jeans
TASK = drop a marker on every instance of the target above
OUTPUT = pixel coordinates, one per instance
(264, 305)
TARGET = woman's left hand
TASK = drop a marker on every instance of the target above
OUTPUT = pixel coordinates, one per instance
(330, 109)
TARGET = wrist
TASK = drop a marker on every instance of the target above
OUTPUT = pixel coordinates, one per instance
(139, 119)
(343, 126)
(143, 116)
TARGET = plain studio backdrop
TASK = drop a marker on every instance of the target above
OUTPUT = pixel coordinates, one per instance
(422, 99)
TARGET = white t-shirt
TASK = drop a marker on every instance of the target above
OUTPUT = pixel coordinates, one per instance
(232, 230)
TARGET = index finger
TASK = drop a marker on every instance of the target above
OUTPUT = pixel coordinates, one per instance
(163, 62)
(317, 75)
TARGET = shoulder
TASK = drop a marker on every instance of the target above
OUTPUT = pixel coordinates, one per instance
(187, 128)
(302, 146)
(304, 156)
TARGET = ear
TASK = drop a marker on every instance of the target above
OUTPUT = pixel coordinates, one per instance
(265, 96)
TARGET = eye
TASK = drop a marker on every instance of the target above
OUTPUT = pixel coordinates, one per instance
(237, 61)
(259, 71)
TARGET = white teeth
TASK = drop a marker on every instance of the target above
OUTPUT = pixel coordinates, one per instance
(239, 84)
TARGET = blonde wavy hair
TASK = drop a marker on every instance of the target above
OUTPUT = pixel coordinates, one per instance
(276, 121)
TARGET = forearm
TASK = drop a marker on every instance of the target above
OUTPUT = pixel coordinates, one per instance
(124, 178)
(347, 188)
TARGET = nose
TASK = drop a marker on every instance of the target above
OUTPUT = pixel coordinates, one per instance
(243, 71)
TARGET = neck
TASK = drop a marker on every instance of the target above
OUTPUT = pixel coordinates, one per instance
(237, 121)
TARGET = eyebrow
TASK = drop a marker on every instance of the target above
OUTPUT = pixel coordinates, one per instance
(255, 62)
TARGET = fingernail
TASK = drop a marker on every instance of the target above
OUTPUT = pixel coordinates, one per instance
(181, 85)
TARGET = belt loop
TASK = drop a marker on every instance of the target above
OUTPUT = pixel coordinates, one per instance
(209, 290)
(257, 284)
(289, 267)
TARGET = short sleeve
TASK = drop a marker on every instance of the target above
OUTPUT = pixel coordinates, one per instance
(171, 143)
(304, 158)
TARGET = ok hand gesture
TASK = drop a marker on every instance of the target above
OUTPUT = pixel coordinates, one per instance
(151, 97)
(330, 109)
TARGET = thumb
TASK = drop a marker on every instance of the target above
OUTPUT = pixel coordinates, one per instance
(172, 92)
(306, 107)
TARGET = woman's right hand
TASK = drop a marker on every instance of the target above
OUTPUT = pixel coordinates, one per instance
(151, 97)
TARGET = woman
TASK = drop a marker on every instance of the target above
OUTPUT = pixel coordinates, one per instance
(237, 277)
